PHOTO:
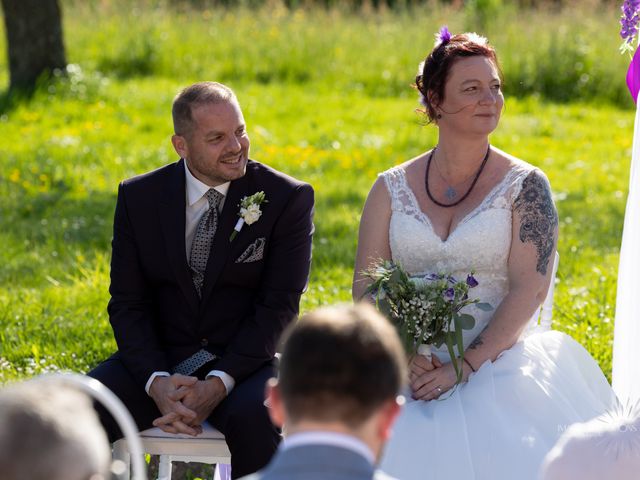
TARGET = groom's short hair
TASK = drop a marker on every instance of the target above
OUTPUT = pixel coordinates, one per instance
(340, 364)
(201, 93)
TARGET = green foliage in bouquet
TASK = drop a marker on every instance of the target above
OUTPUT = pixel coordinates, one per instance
(425, 309)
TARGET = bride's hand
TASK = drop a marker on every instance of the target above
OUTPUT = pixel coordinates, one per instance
(419, 365)
(430, 385)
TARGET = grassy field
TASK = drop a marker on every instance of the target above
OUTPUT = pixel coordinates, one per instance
(327, 99)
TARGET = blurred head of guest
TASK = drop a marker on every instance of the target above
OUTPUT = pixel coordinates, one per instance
(341, 371)
(50, 431)
(607, 446)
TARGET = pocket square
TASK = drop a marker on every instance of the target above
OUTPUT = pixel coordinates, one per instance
(254, 252)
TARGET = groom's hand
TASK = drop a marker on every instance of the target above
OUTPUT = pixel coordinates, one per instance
(167, 393)
(204, 396)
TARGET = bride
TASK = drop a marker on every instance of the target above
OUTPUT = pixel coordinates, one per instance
(465, 205)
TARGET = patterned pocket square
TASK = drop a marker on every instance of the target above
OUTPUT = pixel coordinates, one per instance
(254, 252)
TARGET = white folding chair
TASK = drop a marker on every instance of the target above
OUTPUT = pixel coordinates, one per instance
(541, 320)
(209, 447)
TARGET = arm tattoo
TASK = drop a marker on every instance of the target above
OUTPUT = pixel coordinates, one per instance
(538, 216)
(478, 341)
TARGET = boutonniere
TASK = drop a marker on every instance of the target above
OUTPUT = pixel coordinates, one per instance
(249, 212)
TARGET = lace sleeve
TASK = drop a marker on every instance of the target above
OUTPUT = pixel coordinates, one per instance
(391, 181)
(402, 197)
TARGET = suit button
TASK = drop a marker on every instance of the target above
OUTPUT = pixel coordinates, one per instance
(204, 342)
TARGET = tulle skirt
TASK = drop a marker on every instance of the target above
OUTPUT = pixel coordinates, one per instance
(503, 421)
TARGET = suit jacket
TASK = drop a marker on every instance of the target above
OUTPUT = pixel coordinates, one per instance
(318, 462)
(158, 319)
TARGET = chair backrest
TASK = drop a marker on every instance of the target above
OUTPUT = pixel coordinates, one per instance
(541, 319)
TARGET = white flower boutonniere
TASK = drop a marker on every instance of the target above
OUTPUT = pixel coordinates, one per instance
(249, 212)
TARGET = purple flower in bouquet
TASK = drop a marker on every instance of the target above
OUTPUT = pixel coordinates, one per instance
(629, 22)
(426, 309)
(471, 281)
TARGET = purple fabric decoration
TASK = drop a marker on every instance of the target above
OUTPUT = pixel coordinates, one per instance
(224, 471)
(633, 76)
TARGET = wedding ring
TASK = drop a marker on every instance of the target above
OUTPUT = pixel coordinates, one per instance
(438, 389)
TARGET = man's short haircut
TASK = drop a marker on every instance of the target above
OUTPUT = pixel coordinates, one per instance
(201, 93)
(51, 431)
(340, 364)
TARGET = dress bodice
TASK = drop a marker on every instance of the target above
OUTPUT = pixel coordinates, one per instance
(504, 419)
(480, 242)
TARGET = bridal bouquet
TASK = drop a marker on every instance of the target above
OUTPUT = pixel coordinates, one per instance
(425, 309)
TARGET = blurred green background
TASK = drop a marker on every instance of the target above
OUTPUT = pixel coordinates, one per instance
(326, 91)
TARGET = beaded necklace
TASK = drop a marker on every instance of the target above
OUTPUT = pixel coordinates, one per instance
(448, 194)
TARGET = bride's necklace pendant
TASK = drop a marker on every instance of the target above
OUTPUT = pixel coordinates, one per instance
(450, 193)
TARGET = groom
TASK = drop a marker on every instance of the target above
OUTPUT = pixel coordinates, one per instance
(204, 278)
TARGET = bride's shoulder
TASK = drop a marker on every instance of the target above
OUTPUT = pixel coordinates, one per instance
(519, 168)
(406, 169)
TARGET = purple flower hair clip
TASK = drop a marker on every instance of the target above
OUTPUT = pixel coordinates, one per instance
(444, 35)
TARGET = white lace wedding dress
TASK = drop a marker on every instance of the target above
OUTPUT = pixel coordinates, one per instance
(501, 423)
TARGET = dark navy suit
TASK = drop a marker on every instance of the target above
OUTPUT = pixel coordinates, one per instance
(158, 319)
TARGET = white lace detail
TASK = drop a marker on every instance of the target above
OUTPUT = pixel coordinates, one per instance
(415, 245)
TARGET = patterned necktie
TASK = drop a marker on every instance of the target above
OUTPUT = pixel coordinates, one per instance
(203, 239)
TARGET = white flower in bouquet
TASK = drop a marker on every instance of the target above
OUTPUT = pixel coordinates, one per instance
(426, 310)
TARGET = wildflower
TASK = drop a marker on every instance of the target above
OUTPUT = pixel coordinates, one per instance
(471, 281)
(629, 21)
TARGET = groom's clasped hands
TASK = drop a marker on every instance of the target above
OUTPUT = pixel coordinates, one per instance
(185, 402)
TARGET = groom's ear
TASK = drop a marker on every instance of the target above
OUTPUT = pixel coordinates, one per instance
(180, 145)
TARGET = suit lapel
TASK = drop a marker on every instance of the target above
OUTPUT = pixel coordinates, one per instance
(172, 219)
(221, 245)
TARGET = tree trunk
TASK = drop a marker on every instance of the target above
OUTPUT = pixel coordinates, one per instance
(34, 40)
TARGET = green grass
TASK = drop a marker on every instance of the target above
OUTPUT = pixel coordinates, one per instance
(327, 99)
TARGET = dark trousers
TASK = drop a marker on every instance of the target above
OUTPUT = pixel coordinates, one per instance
(241, 417)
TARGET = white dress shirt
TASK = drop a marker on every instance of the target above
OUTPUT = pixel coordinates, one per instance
(334, 439)
(196, 206)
